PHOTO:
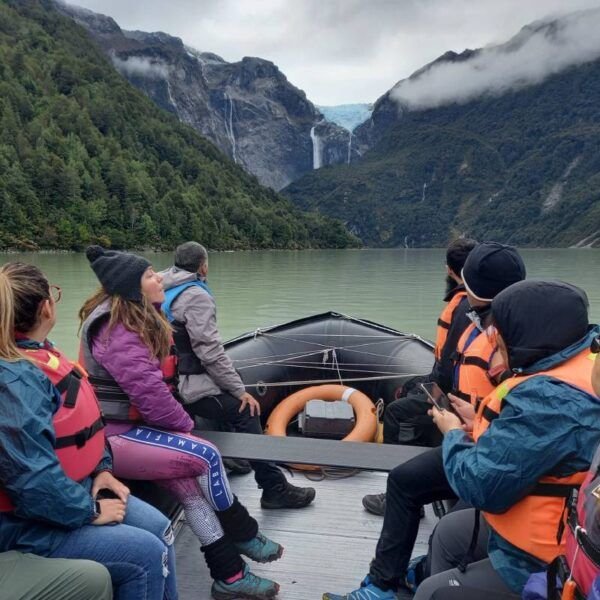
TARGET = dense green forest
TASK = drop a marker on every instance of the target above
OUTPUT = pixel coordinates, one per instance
(522, 168)
(84, 157)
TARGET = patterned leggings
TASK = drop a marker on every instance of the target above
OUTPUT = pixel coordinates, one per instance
(188, 467)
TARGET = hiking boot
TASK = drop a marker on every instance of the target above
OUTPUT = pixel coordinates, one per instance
(287, 495)
(260, 549)
(249, 587)
(366, 591)
(374, 503)
(237, 466)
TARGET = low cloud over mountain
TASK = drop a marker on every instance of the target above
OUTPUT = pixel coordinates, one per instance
(539, 50)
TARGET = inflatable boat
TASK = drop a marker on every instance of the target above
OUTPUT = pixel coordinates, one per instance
(328, 348)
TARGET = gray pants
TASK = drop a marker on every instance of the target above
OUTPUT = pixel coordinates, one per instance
(30, 577)
(451, 540)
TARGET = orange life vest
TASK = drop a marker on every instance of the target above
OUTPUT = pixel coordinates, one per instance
(78, 422)
(535, 523)
(473, 361)
(443, 324)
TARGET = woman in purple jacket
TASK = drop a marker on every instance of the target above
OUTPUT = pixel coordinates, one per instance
(125, 340)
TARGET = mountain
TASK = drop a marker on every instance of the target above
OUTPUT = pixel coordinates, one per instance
(247, 108)
(465, 147)
(85, 157)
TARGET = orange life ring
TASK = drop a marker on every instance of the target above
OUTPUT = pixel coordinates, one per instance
(364, 430)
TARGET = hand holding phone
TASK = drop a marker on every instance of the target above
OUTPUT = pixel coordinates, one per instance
(436, 396)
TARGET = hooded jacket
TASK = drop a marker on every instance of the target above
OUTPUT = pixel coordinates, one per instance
(47, 502)
(197, 310)
(545, 426)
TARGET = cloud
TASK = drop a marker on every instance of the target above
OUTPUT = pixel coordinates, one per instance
(538, 51)
(141, 67)
(337, 51)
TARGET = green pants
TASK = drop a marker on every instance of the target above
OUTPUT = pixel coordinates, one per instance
(30, 577)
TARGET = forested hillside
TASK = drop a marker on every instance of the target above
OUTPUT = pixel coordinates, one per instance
(84, 157)
(523, 167)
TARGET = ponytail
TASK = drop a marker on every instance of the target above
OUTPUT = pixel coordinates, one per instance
(22, 289)
(8, 346)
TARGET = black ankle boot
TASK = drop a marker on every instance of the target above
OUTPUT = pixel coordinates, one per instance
(286, 495)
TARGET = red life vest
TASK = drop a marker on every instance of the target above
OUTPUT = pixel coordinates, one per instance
(443, 324)
(534, 523)
(583, 531)
(78, 422)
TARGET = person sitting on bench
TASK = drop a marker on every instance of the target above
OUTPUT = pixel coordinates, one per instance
(209, 385)
(533, 440)
(126, 347)
(58, 497)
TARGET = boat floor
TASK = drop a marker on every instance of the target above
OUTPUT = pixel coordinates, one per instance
(328, 545)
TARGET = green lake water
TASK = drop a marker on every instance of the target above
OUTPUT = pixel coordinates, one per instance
(401, 288)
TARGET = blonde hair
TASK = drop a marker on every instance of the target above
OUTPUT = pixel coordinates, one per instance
(23, 288)
(139, 317)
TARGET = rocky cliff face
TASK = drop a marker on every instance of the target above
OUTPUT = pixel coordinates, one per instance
(248, 108)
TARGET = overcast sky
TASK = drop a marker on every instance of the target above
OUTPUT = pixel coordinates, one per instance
(337, 51)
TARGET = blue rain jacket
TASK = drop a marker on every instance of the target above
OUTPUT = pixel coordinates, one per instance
(545, 426)
(47, 503)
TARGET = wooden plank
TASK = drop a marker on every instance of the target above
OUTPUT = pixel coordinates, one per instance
(311, 451)
(328, 545)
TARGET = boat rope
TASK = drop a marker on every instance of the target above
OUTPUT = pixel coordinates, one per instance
(263, 384)
(313, 367)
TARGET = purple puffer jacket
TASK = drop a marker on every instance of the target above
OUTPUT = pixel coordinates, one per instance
(123, 354)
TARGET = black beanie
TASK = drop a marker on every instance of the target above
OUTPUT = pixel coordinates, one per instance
(120, 273)
(490, 268)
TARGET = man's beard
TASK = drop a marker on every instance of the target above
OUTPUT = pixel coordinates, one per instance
(450, 284)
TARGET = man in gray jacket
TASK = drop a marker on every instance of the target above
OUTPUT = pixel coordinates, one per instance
(208, 383)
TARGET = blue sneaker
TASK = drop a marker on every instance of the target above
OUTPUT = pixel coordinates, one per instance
(249, 587)
(366, 591)
(260, 549)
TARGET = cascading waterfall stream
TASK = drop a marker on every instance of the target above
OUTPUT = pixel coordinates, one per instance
(317, 150)
(229, 124)
(171, 99)
(350, 147)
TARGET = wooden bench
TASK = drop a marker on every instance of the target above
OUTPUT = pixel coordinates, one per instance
(309, 451)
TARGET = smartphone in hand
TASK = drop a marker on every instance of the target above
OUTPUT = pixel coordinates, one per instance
(436, 396)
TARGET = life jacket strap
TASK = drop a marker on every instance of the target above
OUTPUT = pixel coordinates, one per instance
(443, 324)
(475, 361)
(107, 389)
(553, 490)
(489, 415)
(70, 384)
(80, 438)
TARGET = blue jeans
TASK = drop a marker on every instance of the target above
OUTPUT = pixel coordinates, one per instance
(138, 553)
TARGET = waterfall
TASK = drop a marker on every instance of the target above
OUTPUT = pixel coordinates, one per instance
(171, 99)
(350, 147)
(229, 124)
(424, 190)
(317, 150)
